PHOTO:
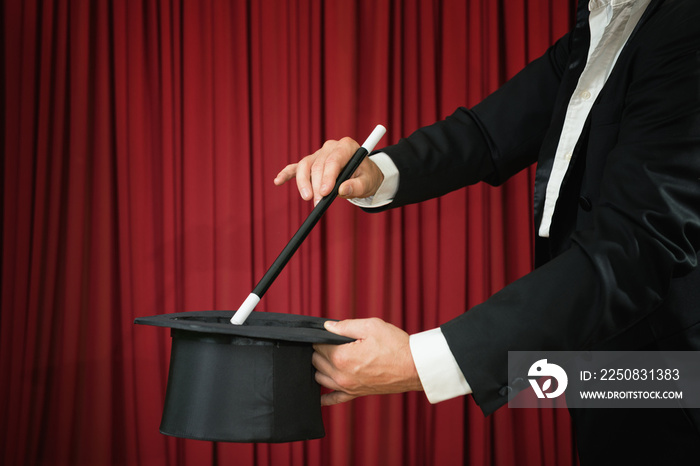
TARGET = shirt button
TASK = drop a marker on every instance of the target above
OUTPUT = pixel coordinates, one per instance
(585, 95)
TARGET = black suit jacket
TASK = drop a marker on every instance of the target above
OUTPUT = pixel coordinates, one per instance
(620, 269)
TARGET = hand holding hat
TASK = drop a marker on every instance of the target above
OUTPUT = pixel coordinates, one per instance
(378, 362)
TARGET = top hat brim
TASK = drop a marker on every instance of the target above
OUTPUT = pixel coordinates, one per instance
(264, 325)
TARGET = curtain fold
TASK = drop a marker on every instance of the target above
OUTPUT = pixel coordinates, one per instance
(140, 139)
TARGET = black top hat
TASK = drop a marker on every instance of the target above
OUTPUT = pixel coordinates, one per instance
(243, 383)
(252, 382)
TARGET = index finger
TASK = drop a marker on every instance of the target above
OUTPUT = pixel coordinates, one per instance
(286, 174)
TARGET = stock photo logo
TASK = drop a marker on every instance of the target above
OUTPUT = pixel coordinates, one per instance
(542, 368)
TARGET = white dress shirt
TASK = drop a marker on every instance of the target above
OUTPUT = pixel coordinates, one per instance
(611, 23)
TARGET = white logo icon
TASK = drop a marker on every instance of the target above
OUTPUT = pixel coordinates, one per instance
(542, 368)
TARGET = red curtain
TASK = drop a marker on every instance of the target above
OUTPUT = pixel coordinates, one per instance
(140, 139)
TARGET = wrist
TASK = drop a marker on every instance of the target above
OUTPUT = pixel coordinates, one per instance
(378, 178)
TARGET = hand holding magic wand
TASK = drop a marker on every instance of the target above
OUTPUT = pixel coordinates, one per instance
(315, 187)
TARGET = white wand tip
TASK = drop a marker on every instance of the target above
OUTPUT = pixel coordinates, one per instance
(240, 316)
(374, 138)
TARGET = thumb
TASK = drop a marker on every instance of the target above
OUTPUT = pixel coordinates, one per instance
(351, 188)
(352, 328)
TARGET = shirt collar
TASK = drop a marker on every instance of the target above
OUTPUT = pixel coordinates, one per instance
(595, 4)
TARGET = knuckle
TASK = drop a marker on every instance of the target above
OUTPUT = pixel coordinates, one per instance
(329, 144)
(340, 360)
(347, 141)
(319, 378)
(374, 321)
(345, 383)
(317, 168)
(332, 163)
(303, 164)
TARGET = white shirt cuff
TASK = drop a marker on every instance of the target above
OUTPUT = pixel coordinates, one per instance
(437, 368)
(386, 192)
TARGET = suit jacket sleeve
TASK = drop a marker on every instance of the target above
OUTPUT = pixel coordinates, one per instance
(461, 150)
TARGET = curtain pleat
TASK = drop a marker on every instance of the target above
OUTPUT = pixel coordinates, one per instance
(140, 139)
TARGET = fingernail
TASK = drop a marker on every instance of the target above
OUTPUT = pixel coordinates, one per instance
(305, 193)
(330, 323)
(348, 191)
(324, 188)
